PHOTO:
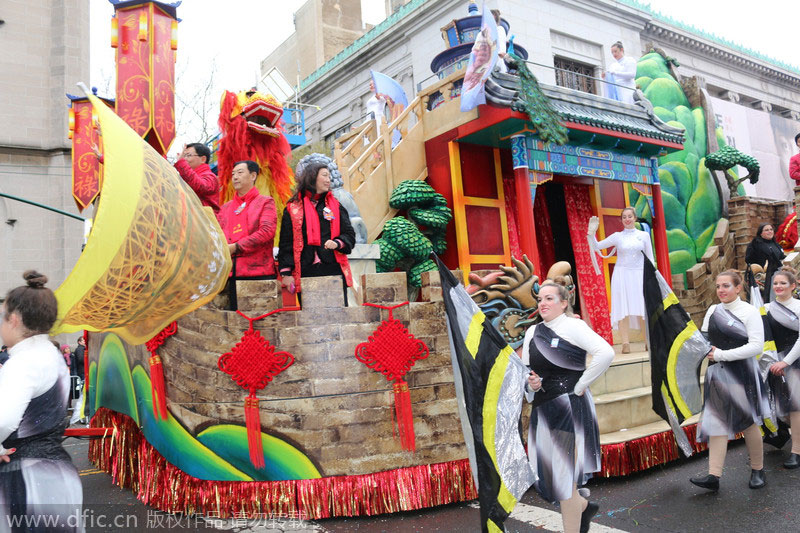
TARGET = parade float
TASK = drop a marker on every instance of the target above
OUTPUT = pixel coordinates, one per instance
(334, 410)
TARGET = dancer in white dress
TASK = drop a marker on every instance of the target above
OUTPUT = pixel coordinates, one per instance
(627, 297)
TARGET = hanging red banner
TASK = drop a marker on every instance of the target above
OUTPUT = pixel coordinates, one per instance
(146, 71)
(87, 169)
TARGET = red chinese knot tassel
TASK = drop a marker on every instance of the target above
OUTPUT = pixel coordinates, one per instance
(157, 388)
(252, 421)
(405, 418)
(392, 351)
(253, 363)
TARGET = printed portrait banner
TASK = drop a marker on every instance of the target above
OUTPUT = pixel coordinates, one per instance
(482, 60)
(767, 137)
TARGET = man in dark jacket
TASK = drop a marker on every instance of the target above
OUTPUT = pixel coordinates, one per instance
(193, 168)
(78, 355)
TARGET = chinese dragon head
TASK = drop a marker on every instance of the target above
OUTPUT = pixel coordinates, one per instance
(508, 297)
(251, 126)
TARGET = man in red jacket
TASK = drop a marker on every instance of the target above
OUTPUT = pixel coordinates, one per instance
(193, 168)
(794, 163)
(249, 221)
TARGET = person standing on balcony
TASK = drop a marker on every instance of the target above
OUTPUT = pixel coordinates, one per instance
(627, 299)
(563, 436)
(193, 168)
(734, 399)
(622, 72)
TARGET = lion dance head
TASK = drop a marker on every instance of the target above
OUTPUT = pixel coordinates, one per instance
(251, 125)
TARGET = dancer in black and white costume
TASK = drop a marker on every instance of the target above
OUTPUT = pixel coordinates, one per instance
(783, 314)
(563, 439)
(37, 478)
(735, 398)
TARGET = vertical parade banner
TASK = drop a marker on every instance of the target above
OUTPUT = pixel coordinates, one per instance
(145, 37)
(86, 142)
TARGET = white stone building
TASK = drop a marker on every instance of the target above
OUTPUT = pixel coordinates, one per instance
(571, 34)
(45, 46)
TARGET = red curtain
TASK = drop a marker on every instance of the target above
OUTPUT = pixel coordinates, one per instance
(591, 286)
(511, 217)
(544, 233)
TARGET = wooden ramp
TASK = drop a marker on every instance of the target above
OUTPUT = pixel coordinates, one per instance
(371, 168)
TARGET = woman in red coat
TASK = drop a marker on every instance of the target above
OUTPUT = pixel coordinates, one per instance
(249, 221)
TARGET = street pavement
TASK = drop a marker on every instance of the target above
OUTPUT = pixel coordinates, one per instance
(659, 500)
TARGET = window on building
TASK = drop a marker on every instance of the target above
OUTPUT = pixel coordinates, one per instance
(574, 75)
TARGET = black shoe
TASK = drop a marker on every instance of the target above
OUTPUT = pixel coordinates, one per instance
(710, 482)
(792, 462)
(757, 479)
(587, 515)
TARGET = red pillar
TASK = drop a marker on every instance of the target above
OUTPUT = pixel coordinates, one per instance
(660, 234)
(527, 228)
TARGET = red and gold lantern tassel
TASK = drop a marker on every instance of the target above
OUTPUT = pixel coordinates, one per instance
(157, 387)
(142, 25)
(71, 121)
(114, 32)
(252, 420)
(173, 40)
(405, 418)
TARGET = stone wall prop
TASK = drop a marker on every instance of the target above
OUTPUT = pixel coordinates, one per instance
(327, 404)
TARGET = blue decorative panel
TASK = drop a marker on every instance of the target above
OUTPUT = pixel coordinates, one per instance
(519, 154)
(589, 162)
(452, 36)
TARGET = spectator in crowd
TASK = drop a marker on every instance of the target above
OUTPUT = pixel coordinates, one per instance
(193, 168)
(67, 353)
(78, 356)
(78, 367)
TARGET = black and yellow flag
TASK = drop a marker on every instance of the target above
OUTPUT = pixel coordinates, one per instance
(490, 380)
(677, 348)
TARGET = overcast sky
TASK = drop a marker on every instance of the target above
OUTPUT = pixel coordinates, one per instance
(238, 34)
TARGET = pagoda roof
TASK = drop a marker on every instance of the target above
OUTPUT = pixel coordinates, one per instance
(577, 107)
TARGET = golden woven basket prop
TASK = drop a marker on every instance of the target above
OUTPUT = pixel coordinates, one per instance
(154, 252)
